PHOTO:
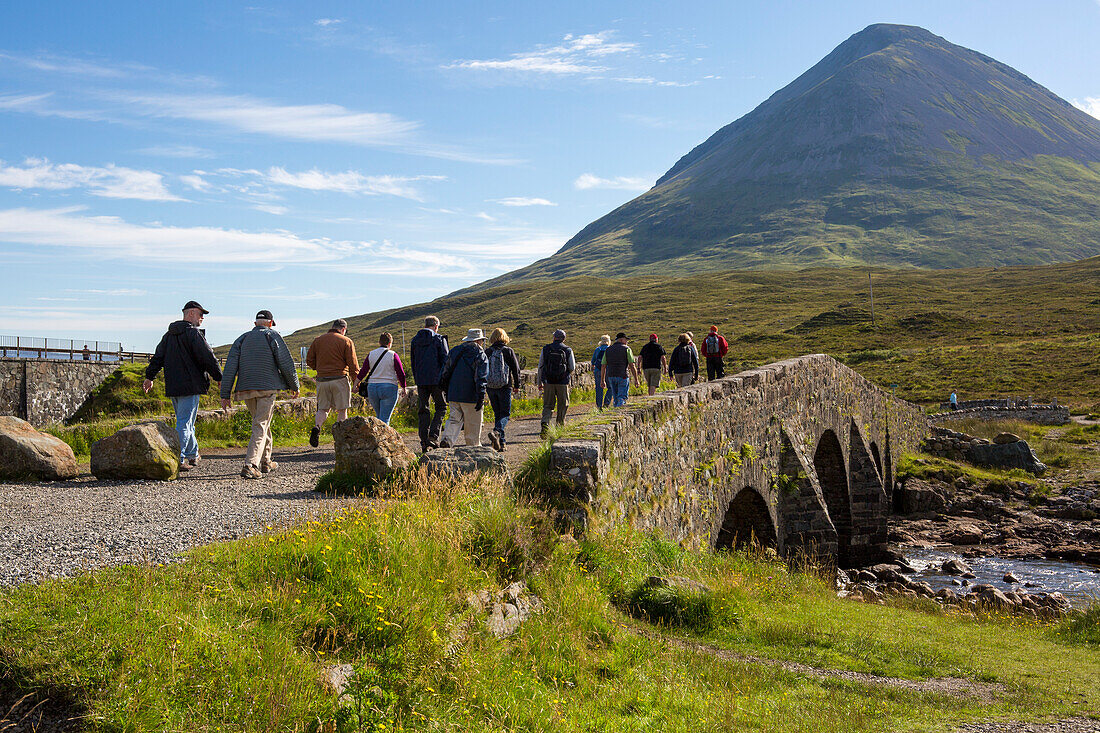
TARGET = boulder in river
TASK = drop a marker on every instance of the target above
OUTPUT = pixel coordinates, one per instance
(149, 450)
(27, 453)
(954, 566)
(965, 534)
(1009, 577)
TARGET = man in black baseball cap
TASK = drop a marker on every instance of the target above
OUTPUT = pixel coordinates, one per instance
(186, 359)
(265, 315)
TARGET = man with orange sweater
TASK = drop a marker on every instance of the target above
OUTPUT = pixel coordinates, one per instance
(333, 356)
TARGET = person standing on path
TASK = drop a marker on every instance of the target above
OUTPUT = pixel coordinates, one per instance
(259, 364)
(464, 378)
(953, 401)
(501, 384)
(385, 377)
(333, 357)
(654, 363)
(186, 359)
(603, 397)
(427, 355)
(683, 365)
(618, 367)
(556, 367)
(714, 348)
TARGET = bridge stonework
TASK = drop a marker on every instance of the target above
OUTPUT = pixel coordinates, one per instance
(798, 455)
(42, 391)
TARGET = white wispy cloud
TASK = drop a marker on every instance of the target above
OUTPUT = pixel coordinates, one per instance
(177, 151)
(651, 81)
(109, 181)
(350, 182)
(625, 183)
(523, 201)
(134, 292)
(317, 122)
(1090, 104)
(327, 22)
(574, 55)
(112, 237)
(272, 209)
(101, 69)
(196, 182)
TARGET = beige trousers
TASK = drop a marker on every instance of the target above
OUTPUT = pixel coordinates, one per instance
(261, 405)
(462, 418)
(683, 380)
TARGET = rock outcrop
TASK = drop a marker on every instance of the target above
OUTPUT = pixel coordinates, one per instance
(144, 451)
(369, 447)
(464, 461)
(506, 609)
(1017, 454)
(27, 453)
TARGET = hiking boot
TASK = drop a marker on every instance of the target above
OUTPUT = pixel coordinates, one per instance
(195, 461)
(314, 436)
(444, 443)
(544, 431)
(269, 467)
(185, 465)
(494, 440)
(250, 471)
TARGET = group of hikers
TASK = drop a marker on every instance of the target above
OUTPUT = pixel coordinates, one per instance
(452, 382)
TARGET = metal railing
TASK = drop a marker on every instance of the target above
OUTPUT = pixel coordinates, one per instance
(30, 347)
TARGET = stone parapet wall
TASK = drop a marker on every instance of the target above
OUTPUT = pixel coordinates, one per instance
(676, 461)
(1038, 414)
(42, 391)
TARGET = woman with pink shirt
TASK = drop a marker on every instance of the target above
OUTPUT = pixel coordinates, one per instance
(384, 374)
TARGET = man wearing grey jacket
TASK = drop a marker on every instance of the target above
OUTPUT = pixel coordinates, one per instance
(260, 364)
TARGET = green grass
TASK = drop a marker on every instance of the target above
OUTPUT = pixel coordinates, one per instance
(234, 637)
(1016, 331)
(924, 466)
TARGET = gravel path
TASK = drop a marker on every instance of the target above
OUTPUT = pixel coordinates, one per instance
(62, 528)
(1070, 725)
(67, 527)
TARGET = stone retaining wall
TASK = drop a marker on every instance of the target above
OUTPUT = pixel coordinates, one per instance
(807, 443)
(1038, 414)
(42, 391)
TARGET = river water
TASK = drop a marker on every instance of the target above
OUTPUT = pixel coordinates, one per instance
(1079, 583)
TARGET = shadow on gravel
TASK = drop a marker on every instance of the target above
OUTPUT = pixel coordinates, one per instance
(300, 494)
(23, 708)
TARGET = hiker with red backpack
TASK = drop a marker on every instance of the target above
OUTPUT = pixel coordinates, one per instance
(556, 367)
(714, 348)
(502, 382)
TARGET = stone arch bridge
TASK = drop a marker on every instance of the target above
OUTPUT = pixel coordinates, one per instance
(798, 455)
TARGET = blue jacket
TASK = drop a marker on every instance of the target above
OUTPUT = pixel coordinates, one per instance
(597, 356)
(466, 373)
(428, 354)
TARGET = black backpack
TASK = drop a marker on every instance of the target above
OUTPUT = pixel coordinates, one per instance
(555, 365)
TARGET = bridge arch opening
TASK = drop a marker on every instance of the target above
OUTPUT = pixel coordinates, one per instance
(747, 522)
(833, 478)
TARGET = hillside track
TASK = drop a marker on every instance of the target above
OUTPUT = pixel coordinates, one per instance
(66, 528)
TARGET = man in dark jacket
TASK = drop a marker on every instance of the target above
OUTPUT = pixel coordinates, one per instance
(428, 354)
(465, 377)
(186, 359)
(556, 367)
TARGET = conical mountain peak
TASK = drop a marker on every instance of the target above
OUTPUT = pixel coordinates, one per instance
(897, 148)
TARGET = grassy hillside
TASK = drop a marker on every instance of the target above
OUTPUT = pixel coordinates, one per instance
(984, 332)
(236, 637)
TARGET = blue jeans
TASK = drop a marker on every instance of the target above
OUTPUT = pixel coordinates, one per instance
(383, 398)
(603, 399)
(619, 387)
(186, 408)
(500, 398)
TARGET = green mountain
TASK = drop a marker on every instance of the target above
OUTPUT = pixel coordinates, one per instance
(897, 149)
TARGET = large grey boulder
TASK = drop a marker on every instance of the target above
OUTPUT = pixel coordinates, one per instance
(27, 453)
(920, 497)
(369, 447)
(148, 450)
(1017, 454)
(464, 461)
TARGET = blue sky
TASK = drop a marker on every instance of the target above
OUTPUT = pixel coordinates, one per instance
(331, 159)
